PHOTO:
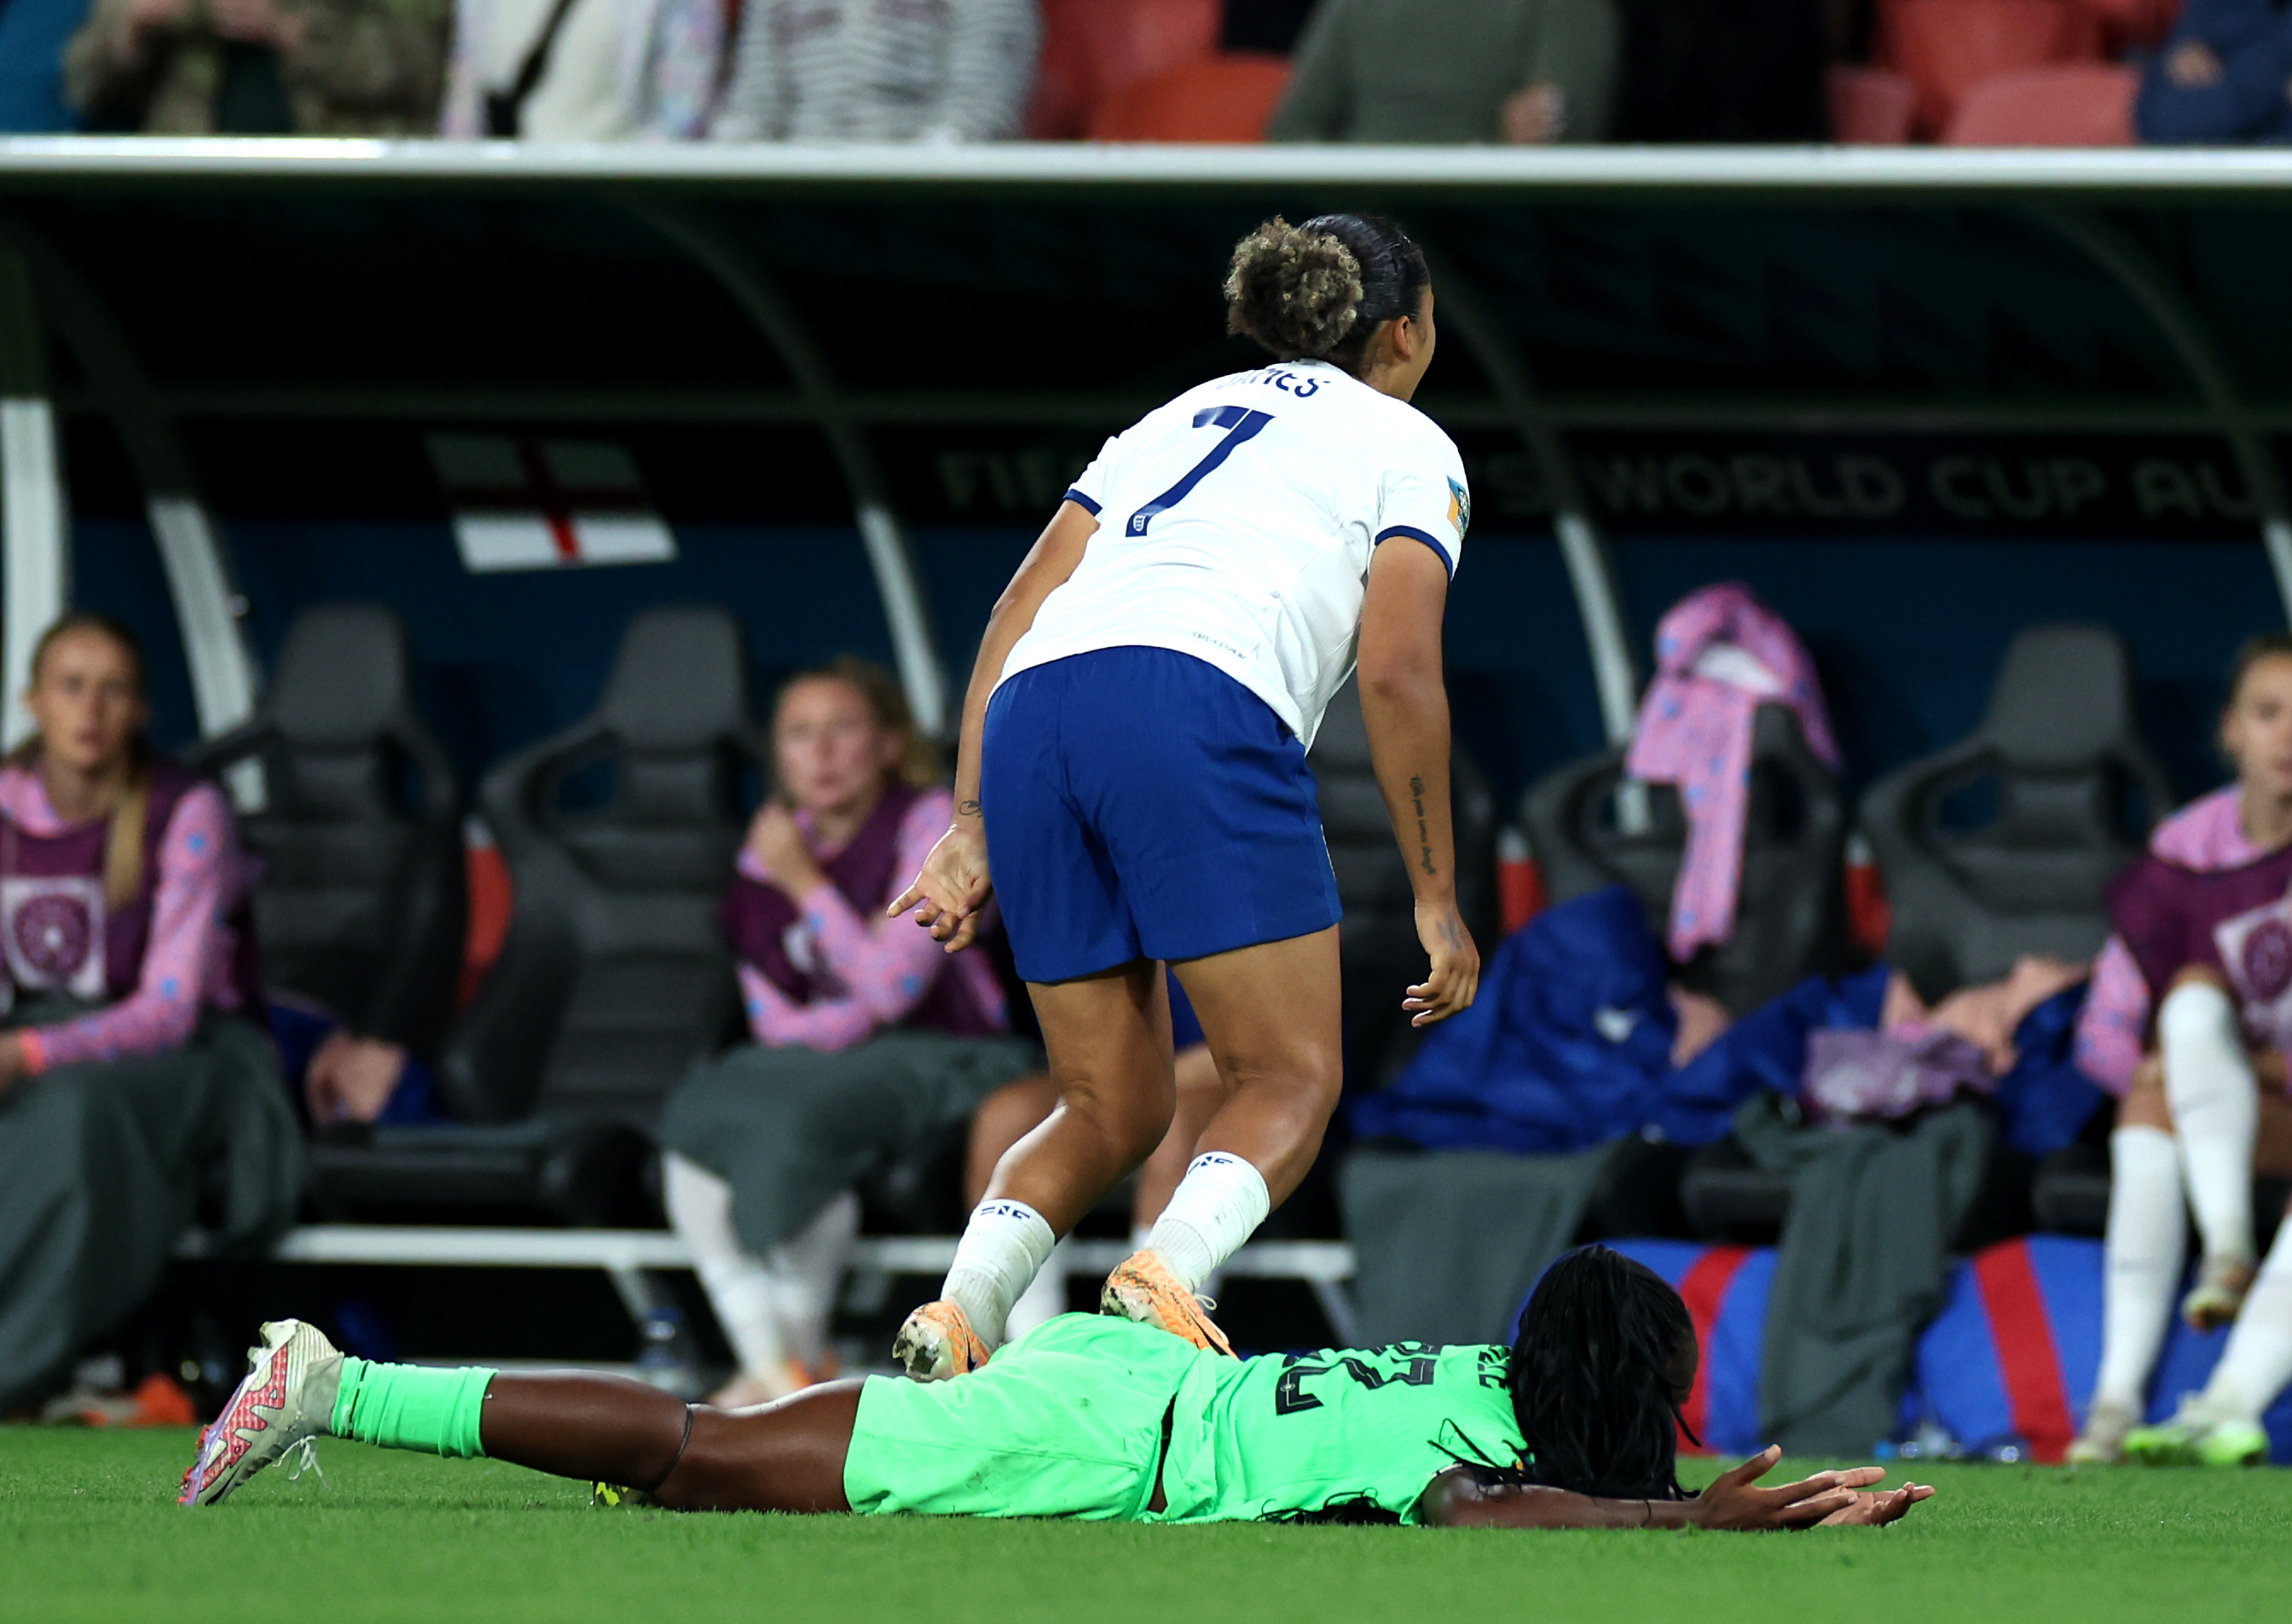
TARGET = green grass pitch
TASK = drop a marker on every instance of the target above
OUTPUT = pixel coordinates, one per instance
(89, 1531)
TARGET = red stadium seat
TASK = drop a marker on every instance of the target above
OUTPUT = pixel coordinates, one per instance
(1948, 46)
(2079, 104)
(2128, 23)
(1229, 97)
(1095, 49)
(1870, 107)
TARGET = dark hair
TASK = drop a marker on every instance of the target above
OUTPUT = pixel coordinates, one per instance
(1319, 291)
(2267, 646)
(1591, 1377)
(887, 702)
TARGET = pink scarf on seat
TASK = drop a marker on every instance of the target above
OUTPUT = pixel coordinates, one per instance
(1719, 654)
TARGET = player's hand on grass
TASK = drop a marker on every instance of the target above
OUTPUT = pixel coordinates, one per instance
(952, 887)
(1885, 1506)
(1456, 973)
(1734, 1500)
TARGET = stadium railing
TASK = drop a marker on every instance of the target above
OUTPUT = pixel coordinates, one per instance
(627, 1256)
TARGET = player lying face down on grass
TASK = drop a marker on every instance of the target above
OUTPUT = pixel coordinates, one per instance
(1131, 781)
(1575, 1425)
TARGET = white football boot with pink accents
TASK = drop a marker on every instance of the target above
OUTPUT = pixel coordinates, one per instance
(286, 1400)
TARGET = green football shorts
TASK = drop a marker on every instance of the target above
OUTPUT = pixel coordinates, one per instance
(1069, 1421)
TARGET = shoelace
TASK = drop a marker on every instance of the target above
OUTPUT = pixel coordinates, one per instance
(305, 1457)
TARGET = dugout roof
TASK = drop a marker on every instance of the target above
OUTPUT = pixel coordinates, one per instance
(1857, 338)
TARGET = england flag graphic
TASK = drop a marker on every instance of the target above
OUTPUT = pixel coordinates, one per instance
(546, 505)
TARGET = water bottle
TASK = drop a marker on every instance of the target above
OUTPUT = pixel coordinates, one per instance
(662, 1359)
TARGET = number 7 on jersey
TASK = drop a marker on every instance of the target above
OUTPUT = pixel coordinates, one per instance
(1239, 425)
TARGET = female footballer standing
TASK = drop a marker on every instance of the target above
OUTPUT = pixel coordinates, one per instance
(1131, 770)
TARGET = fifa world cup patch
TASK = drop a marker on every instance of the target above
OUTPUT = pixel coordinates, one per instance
(1460, 508)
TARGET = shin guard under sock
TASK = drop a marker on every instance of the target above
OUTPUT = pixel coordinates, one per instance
(408, 1406)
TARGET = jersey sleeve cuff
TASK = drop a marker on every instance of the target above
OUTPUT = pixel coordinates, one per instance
(1447, 559)
(1088, 505)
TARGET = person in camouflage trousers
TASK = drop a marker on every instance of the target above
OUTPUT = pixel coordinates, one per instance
(260, 66)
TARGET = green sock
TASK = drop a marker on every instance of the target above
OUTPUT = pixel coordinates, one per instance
(408, 1406)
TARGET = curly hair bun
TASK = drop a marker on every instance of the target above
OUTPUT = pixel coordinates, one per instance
(1298, 292)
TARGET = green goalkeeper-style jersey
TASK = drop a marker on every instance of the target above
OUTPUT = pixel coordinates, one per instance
(1083, 1417)
(1354, 1429)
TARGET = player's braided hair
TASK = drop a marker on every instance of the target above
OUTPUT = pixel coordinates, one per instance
(1592, 1368)
(1319, 291)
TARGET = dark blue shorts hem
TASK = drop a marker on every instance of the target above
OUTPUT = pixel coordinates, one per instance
(1143, 804)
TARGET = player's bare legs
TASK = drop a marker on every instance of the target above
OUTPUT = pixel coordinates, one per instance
(1108, 1039)
(1271, 1015)
(786, 1456)
(1017, 1109)
(1272, 1025)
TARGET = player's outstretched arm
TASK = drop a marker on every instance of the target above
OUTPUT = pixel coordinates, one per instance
(953, 886)
(1405, 704)
(1458, 1498)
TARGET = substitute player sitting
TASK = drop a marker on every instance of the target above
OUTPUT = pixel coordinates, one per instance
(1575, 1425)
(1133, 770)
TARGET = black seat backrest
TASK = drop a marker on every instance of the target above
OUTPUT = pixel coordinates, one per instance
(1790, 907)
(360, 901)
(2000, 844)
(615, 977)
(1377, 942)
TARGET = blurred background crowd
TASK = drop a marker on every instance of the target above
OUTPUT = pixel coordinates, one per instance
(1965, 72)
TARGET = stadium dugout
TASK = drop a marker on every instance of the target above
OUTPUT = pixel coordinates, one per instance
(1920, 397)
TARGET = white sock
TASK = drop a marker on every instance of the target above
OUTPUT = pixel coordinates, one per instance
(806, 1269)
(741, 1291)
(2148, 1231)
(2257, 1362)
(1217, 1206)
(1003, 1249)
(2215, 1111)
(1045, 1300)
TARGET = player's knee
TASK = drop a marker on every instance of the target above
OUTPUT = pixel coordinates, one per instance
(1311, 1074)
(1128, 1122)
(2197, 1010)
(2145, 1105)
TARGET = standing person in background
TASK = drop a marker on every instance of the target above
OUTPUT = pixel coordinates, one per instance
(591, 70)
(259, 67)
(2197, 977)
(1518, 71)
(1133, 762)
(131, 1067)
(870, 1042)
(880, 70)
(2224, 77)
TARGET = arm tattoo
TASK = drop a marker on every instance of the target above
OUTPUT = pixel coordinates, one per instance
(968, 808)
(1424, 841)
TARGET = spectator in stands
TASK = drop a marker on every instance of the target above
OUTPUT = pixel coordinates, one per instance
(260, 66)
(871, 1042)
(880, 70)
(1521, 71)
(2224, 76)
(1017, 1109)
(586, 69)
(2188, 1022)
(33, 35)
(129, 1071)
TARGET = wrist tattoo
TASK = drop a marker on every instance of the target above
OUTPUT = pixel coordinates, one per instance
(1424, 840)
(968, 808)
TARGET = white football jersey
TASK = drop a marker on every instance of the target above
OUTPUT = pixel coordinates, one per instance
(1235, 525)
